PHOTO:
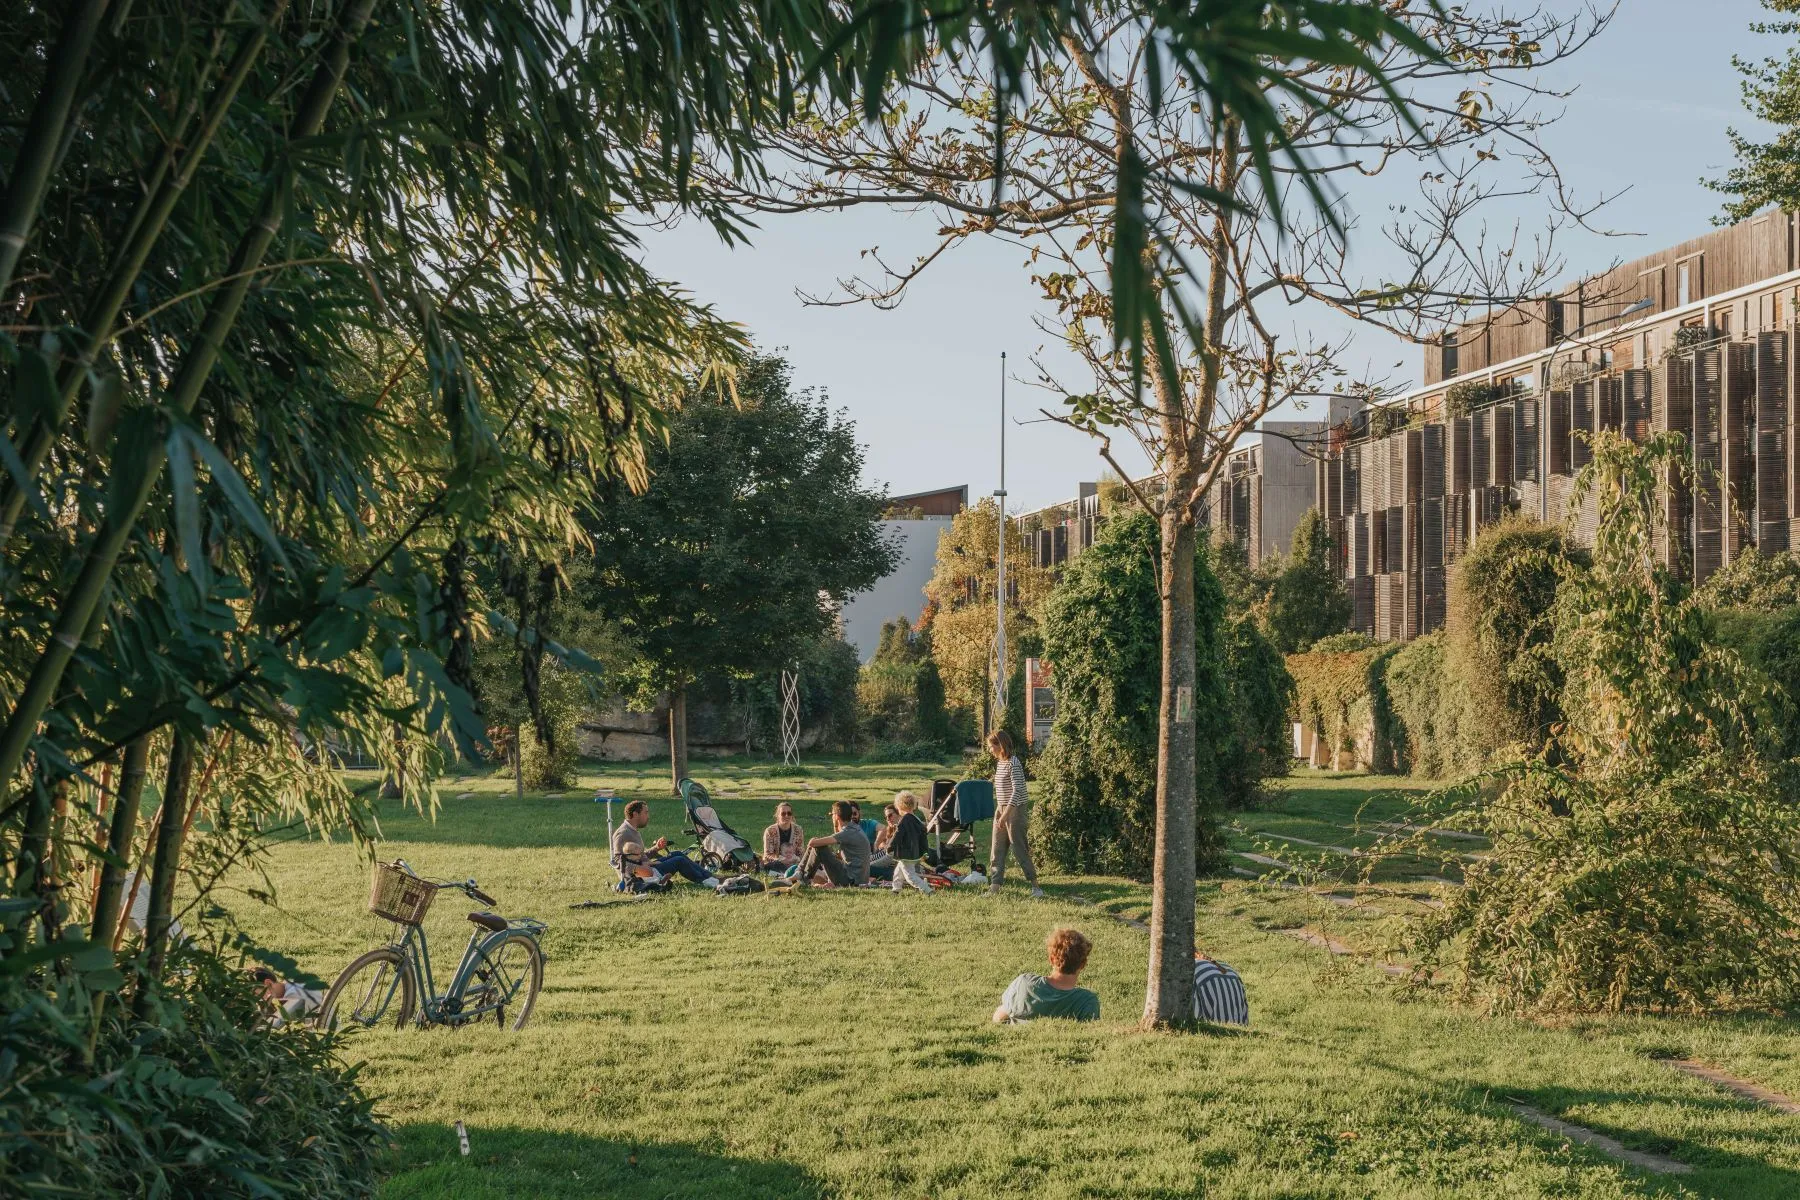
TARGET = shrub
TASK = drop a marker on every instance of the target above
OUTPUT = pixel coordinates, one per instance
(1425, 723)
(1260, 743)
(1096, 799)
(195, 1098)
(1500, 625)
(1646, 859)
(1753, 580)
(1461, 399)
(900, 695)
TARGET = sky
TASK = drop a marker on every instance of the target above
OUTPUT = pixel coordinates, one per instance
(1654, 96)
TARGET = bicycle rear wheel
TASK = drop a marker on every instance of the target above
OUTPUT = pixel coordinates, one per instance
(504, 981)
(376, 988)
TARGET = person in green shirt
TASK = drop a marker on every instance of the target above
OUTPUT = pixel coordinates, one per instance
(1058, 994)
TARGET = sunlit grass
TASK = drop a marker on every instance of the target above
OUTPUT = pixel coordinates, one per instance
(837, 1044)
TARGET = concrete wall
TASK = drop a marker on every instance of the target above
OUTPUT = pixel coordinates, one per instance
(900, 594)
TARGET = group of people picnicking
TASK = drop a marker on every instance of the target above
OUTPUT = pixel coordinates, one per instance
(860, 851)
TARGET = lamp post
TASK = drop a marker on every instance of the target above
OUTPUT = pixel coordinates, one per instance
(999, 718)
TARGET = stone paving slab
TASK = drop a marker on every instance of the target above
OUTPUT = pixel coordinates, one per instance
(1599, 1141)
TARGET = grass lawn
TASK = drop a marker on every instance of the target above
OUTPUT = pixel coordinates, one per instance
(838, 1044)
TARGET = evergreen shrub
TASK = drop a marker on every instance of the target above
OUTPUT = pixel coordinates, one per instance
(1095, 802)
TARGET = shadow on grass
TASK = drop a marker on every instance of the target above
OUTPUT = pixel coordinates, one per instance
(511, 1162)
(1721, 1173)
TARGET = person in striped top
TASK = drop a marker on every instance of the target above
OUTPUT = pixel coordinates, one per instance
(1010, 800)
(1219, 993)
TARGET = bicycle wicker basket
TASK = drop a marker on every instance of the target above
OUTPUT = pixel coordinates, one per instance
(399, 895)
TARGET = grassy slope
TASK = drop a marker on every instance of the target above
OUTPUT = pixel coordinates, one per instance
(838, 1044)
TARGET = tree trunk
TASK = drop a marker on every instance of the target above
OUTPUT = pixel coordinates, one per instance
(1169, 996)
(678, 746)
(179, 396)
(118, 840)
(165, 864)
(519, 763)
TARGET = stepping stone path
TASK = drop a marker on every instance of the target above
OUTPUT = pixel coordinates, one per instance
(1436, 832)
(1313, 937)
(1753, 1092)
(1602, 1143)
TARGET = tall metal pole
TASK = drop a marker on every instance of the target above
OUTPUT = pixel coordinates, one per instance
(999, 719)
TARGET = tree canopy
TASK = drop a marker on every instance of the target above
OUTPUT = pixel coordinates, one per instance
(755, 528)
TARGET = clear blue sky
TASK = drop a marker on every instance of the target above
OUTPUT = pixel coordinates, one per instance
(1656, 93)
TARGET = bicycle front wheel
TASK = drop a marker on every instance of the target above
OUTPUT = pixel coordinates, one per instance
(375, 989)
(503, 982)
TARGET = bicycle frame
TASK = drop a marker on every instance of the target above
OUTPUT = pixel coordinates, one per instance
(445, 1008)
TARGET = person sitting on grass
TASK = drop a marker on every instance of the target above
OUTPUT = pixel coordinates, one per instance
(868, 825)
(852, 870)
(1057, 994)
(881, 865)
(1219, 993)
(784, 841)
(906, 844)
(631, 859)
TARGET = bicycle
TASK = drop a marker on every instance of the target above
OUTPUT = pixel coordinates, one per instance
(502, 966)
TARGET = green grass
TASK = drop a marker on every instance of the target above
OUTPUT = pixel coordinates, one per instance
(837, 1044)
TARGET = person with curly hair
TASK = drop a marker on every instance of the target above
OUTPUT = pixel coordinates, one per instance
(1058, 994)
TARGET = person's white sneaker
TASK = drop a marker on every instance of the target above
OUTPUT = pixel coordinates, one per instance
(1037, 893)
(993, 889)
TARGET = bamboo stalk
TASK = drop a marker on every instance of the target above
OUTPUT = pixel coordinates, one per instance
(119, 838)
(180, 397)
(98, 323)
(165, 863)
(44, 135)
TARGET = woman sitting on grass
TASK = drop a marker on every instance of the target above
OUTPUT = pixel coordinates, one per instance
(784, 841)
(1057, 994)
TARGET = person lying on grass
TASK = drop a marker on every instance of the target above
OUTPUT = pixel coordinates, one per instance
(852, 870)
(630, 857)
(1057, 994)
(784, 841)
(907, 844)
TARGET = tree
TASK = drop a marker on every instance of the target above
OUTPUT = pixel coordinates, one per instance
(1768, 172)
(900, 694)
(959, 609)
(1307, 599)
(756, 525)
(530, 696)
(1096, 807)
(1171, 307)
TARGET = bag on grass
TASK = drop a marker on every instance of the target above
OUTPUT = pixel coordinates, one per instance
(739, 885)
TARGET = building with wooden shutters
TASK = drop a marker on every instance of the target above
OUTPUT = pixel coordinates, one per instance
(1697, 339)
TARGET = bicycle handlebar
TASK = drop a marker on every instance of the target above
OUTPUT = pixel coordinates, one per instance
(481, 896)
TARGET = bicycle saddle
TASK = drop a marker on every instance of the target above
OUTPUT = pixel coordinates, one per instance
(488, 920)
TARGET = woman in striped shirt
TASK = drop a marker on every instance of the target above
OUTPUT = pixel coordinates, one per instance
(1010, 802)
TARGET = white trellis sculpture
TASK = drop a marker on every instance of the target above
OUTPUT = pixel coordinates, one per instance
(790, 718)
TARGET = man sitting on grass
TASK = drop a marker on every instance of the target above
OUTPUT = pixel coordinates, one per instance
(630, 858)
(852, 870)
(1057, 994)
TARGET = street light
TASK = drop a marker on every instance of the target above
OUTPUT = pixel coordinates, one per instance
(1000, 573)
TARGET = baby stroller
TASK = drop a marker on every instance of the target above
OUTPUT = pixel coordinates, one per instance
(716, 844)
(955, 807)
